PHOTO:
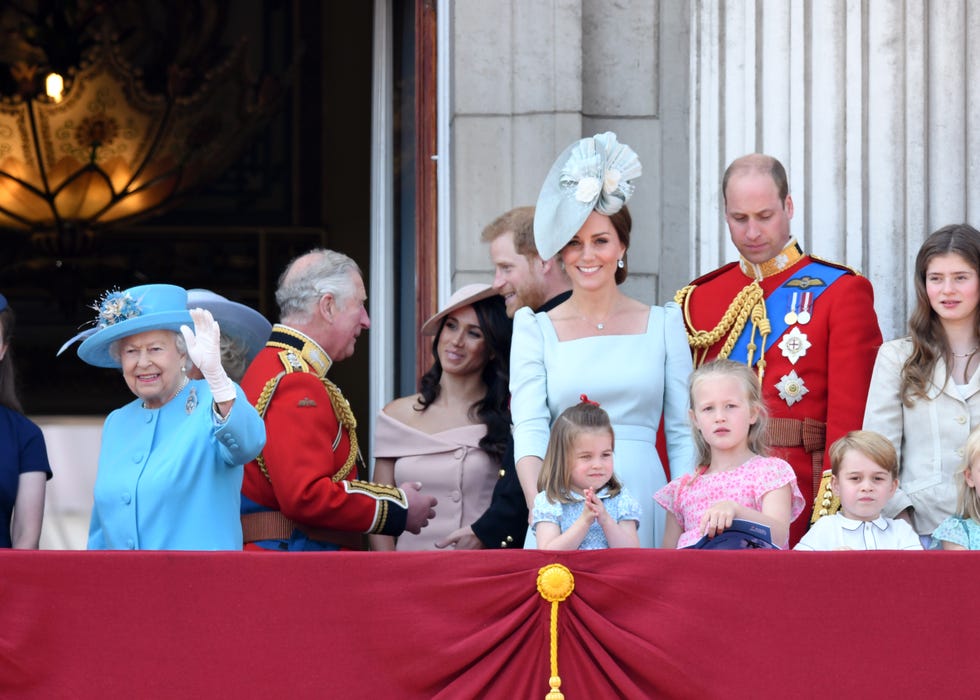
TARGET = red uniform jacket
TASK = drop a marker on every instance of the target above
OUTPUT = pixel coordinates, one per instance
(844, 337)
(306, 446)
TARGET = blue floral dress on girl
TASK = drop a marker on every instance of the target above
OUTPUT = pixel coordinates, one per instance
(962, 531)
(620, 507)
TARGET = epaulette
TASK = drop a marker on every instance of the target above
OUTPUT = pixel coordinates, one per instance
(298, 353)
(293, 362)
(838, 265)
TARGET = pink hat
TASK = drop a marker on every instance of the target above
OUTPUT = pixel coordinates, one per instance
(464, 296)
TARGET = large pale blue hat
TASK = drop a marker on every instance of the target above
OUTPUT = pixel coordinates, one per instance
(120, 314)
(243, 323)
(594, 173)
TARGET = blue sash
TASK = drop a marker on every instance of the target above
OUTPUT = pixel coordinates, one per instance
(778, 300)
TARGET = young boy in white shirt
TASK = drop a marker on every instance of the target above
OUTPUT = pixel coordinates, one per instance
(865, 475)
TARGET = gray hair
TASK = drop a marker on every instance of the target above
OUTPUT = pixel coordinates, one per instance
(179, 341)
(310, 276)
(234, 357)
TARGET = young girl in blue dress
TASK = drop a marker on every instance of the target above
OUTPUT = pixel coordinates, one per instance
(581, 504)
(962, 531)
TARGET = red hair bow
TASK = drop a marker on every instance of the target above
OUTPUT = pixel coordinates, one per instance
(585, 399)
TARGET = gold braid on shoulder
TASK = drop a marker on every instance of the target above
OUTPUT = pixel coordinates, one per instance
(748, 304)
(341, 409)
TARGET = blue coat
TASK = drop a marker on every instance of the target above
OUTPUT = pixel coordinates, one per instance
(171, 478)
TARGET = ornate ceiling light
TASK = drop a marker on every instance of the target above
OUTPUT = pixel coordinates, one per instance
(110, 149)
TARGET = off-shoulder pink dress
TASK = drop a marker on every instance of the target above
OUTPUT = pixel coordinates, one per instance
(451, 467)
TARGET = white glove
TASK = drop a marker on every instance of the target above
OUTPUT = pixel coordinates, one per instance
(204, 349)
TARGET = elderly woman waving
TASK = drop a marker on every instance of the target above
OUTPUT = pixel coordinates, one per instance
(170, 466)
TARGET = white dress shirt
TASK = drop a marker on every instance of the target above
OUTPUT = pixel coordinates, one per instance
(836, 532)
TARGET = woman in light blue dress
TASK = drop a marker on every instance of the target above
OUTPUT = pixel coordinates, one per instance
(170, 467)
(633, 359)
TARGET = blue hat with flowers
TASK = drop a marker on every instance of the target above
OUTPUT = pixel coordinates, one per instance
(150, 307)
(594, 173)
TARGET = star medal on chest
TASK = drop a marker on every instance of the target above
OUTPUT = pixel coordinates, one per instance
(791, 388)
(191, 402)
(794, 345)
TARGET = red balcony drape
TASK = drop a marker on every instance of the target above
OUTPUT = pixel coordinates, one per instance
(639, 624)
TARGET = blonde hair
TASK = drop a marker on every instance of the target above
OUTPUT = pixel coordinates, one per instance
(756, 438)
(967, 500)
(872, 445)
(555, 478)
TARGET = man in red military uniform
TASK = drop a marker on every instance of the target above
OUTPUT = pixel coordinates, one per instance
(808, 326)
(302, 492)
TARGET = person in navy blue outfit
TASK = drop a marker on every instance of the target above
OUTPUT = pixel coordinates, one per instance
(24, 468)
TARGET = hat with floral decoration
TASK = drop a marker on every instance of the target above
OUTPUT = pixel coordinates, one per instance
(120, 314)
(592, 174)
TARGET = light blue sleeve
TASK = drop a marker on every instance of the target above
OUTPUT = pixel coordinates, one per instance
(677, 371)
(629, 508)
(242, 436)
(544, 511)
(95, 538)
(951, 530)
(528, 387)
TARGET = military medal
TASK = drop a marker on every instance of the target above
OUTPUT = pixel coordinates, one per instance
(791, 388)
(805, 306)
(790, 318)
(794, 345)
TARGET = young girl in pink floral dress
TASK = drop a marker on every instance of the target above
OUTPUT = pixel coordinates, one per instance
(736, 479)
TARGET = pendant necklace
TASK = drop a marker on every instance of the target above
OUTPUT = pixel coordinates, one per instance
(600, 325)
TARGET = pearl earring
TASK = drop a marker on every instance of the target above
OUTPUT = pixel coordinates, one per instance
(621, 264)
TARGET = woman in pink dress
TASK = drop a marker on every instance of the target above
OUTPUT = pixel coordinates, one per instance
(736, 480)
(453, 436)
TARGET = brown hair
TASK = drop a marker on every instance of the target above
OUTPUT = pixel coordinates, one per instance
(928, 338)
(520, 221)
(622, 221)
(8, 389)
(555, 478)
(872, 445)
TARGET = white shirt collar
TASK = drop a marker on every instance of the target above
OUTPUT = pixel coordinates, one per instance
(849, 524)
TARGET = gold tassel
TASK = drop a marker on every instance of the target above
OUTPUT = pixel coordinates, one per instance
(730, 326)
(824, 501)
(555, 584)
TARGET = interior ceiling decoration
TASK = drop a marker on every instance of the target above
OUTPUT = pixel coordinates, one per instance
(145, 115)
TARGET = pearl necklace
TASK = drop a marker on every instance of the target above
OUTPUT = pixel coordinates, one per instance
(180, 388)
